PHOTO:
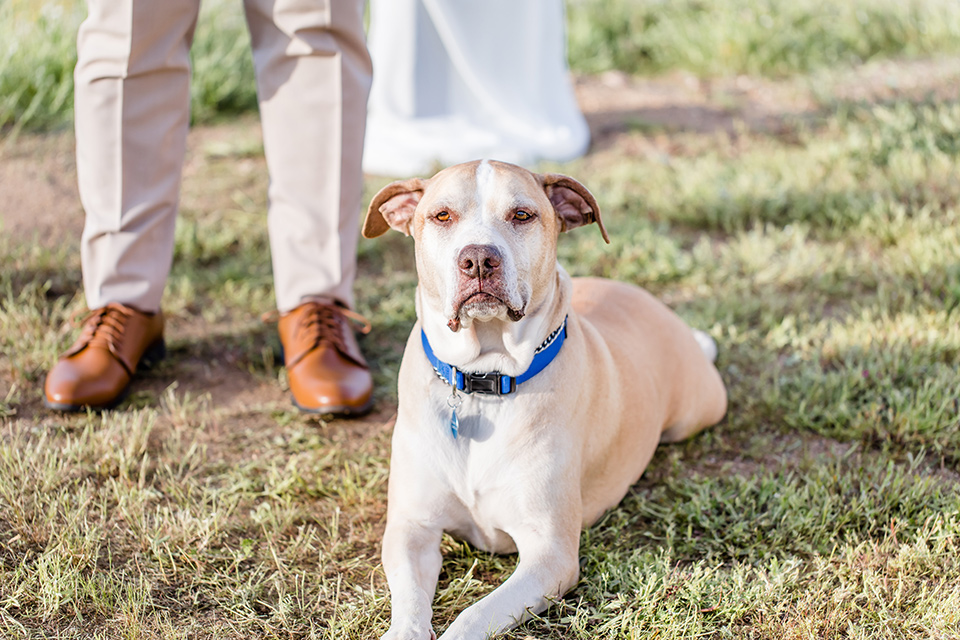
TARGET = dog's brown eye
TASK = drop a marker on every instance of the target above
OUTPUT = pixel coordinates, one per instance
(522, 216)
(443, 216)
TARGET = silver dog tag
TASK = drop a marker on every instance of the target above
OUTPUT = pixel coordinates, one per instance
(453, 402)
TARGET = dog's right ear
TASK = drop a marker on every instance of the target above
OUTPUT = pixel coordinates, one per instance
(393, 207)
(573, 202)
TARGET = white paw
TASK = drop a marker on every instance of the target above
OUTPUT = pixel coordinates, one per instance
(707, 344)
(409, 634)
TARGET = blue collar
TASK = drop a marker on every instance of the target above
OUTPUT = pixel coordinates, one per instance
(496, 383)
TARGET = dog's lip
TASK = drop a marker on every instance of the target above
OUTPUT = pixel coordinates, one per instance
(486, 298)
(481, 296)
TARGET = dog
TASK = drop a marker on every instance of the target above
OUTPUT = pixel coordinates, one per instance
(529, 401)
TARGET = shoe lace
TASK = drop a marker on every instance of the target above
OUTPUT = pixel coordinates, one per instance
(104, 327)
(323, 322)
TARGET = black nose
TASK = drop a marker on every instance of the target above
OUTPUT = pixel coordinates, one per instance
(479, 260)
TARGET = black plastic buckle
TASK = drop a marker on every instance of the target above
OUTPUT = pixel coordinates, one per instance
(487, 383)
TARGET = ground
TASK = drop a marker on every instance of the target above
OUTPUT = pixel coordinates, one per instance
(207, 485)
(41, 203)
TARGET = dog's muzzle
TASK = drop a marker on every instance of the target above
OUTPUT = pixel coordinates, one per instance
(481, 290)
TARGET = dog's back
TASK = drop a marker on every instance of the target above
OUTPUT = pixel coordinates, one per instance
(639, 397)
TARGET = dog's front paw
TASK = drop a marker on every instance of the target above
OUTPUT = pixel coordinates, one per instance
(395, 633)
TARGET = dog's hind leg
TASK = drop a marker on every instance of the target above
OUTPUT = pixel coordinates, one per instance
(707, 344)
(702, 397)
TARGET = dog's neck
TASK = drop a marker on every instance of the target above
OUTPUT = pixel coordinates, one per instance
(497, 345)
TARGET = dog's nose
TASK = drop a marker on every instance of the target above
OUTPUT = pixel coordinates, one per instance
(479, 260)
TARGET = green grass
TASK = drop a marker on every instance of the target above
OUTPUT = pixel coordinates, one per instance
(38, 54)
(754, 36)
(824, 257)
(717, 38)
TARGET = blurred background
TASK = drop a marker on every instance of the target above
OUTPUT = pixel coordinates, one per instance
(708, 38)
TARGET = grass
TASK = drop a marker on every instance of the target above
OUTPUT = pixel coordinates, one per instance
(38, 54)
(722, 37)
(823, 254)
(754, 36)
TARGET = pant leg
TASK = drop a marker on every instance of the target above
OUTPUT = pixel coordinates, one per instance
(132, 109)
(313, 77)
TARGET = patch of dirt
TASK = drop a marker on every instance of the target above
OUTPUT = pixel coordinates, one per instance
(38, 190)
(238, 406)
(39, 198)
(886, 80)
(615, 103)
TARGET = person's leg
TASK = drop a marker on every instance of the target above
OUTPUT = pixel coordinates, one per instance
(132, 101)
(313, 77)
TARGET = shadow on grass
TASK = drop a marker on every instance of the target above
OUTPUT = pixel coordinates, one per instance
(606, 125)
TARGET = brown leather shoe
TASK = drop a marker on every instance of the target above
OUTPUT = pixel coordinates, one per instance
(326, 370)
(95, 372)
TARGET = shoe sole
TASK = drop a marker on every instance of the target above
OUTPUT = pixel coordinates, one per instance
(154, 354)
(336, 410)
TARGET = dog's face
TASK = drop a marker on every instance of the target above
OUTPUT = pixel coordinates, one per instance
(486, 235)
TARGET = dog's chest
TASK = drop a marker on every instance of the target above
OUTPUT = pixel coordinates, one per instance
(482, 469)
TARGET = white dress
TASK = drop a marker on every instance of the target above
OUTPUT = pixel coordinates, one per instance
(458, 80)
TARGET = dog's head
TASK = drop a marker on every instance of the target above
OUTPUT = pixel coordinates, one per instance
(485, 234)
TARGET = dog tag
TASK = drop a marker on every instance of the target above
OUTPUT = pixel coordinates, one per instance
(453, 402)
(454, 423)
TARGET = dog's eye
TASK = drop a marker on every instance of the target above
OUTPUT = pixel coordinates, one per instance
(443, 216)
(522, 216)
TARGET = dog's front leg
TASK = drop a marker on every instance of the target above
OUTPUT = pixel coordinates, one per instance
(411, 560)
(548, 568)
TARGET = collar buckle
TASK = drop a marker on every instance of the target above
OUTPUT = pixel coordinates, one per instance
(488, 383)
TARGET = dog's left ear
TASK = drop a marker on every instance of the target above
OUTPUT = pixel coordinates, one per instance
(393, 207)
(574, 204)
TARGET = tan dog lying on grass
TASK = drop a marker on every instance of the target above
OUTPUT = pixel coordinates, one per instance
(529, 401)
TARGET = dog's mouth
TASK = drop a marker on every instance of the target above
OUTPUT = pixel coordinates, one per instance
(481, 298)
(482, 305)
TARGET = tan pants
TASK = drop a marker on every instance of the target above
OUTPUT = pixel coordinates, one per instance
(132, 114)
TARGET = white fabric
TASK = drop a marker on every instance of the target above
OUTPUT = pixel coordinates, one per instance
(458, 80)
